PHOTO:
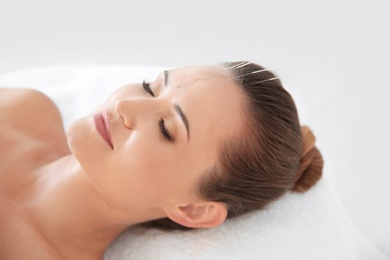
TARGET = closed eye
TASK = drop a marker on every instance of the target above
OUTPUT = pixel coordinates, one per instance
(147, 88)
(164, 131)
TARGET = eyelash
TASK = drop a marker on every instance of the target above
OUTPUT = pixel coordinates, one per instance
(146, 87)
(164, 131)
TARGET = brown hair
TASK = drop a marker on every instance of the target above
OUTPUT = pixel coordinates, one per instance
(273, 154)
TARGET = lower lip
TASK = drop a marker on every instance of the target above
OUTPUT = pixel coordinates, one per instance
(103, 127)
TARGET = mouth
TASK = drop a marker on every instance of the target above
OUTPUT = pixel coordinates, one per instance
(103, 126)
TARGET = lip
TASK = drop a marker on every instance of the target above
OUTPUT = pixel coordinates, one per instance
(103, 126)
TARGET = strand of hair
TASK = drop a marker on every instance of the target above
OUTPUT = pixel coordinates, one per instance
(253, 72)
(197, 66)
(236, 66)
(273, 78)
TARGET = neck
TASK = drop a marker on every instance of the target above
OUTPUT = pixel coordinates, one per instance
(70, 213)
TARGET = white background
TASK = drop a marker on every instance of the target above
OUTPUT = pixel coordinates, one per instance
(337, 51)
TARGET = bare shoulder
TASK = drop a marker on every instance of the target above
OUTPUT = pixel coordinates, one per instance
(31, 133)
(14, 97)
(27, 107)
(27, 114)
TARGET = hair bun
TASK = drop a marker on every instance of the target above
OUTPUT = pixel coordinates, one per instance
(311, 163)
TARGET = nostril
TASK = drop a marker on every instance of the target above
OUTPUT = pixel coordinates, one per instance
(127, 123)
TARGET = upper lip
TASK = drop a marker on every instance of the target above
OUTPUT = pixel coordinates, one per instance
(103, 126)
(107, 124)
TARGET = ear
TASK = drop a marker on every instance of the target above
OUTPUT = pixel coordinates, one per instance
(204, 214)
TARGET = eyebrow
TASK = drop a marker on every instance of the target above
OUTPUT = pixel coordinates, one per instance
(183, 117)
(178, 109)
(166, 76)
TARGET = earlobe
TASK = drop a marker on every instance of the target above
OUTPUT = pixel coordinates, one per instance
(198, 215)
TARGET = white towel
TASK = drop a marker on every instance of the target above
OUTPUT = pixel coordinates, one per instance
(312, 225)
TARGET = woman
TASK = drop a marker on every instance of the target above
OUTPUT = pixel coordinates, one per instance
(197, 145)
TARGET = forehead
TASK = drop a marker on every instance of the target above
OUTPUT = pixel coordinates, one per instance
(212, 101)
(200, 72)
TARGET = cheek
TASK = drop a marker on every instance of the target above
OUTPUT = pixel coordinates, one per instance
(141, 175)
(157, 174)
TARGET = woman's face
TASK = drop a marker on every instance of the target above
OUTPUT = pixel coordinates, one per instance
(162, 137)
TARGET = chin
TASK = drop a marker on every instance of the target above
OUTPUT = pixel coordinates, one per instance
(80, 137)
(85, 145)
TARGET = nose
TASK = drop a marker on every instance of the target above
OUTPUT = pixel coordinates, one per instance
(132, 109)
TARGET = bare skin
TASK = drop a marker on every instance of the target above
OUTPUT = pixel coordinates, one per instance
(21, 152)
(69, 195)
(26, 207)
